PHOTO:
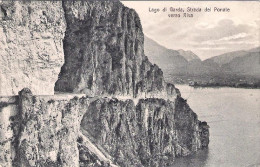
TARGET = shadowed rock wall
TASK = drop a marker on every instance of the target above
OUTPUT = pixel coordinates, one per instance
(104, 52)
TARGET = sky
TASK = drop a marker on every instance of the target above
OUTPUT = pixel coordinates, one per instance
(207, 34)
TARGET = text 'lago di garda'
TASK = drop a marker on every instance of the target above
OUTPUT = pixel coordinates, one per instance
(187, 12)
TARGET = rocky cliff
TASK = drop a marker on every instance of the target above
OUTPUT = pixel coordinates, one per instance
(64, 130)
(31, 47)
(127, 115)
(150, 133)
(104, 53)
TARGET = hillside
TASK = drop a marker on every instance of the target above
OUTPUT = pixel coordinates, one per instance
(232, 68)
(244, 63)
(226, 57)
(188, 55)
(248, 64)
(167, 59)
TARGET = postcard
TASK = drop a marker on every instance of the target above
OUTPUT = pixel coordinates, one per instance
(129, 83)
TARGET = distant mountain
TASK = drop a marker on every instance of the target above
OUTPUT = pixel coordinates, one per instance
(243, 62)
(235, 69)
(248, 64)
(167, 59)
(189, 55)
(185, 65)
(228, 57)
(240, 63)
(257, 50)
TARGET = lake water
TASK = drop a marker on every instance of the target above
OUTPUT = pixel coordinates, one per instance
(233, 115)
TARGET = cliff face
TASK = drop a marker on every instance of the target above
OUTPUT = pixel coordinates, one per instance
(38, 131)
(104, 52)
(103, 49)
(80, 131)
(31, 46)
(150, 133)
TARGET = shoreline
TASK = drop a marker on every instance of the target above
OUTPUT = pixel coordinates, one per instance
(219, 86)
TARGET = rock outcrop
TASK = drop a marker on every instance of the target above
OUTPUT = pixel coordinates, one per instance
(31, 48)
(63, 130)
(150, 133)
(42, 132)
(127, 115)
(104, 53)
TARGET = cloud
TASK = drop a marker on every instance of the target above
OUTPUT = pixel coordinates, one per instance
(257, 22)
(204, 25)
(234, 37)
(161, 29)
(210, 39)
(207, 34)
(225, 29)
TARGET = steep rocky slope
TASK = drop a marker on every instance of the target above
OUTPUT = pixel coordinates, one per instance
(104, 52)
(127, 115)
(64, 130)
(43, 131)
(154, 130)
(31, 45)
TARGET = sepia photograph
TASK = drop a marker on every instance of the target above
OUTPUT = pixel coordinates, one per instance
(119, 83)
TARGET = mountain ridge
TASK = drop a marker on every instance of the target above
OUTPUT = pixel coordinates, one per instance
(187, 54)
(228, 67)
(229, 56)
